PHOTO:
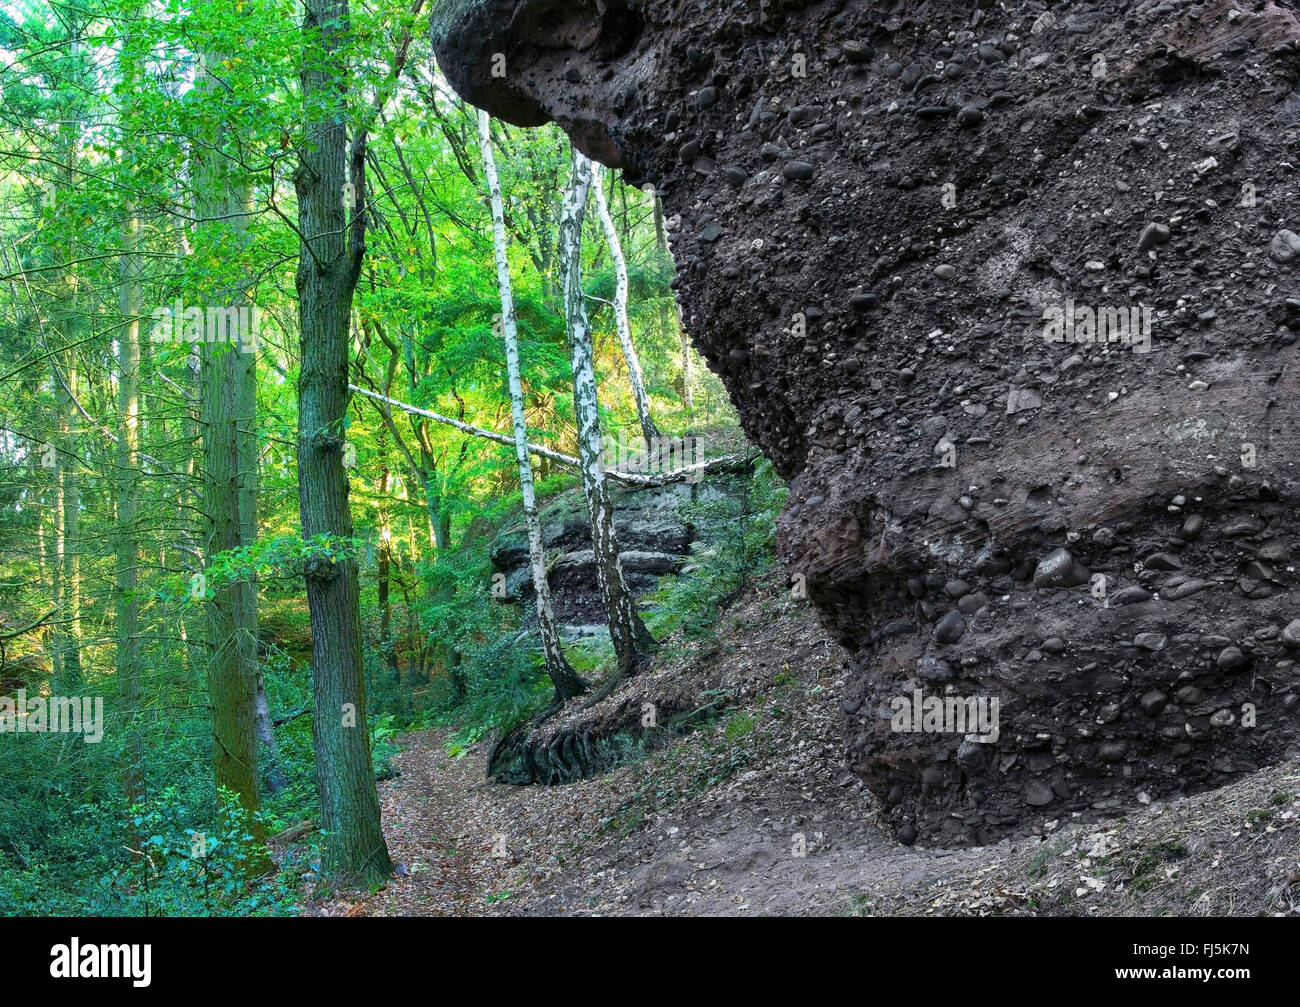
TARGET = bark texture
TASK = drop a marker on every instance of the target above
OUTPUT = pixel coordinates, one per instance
(568, 683)
(329, 262)
(632, 641)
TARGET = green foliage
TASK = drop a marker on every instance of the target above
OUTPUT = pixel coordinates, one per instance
(279, 556)
(739, 724)
(186, 864)
(117, 113)
(507, 685)
(737, 544)
(187, 871)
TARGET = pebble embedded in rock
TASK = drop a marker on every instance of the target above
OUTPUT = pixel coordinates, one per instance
(857, 52)
(969, 116)
(1231, 657)
(1130, 595)
(1038, 794)
(951, 628)
(933, 670)
(1154, 233)
(1285, 247)
(1274, 552)
(1187, 588)
(1021, 399)
(798, 171)
(1111, 751)
(1059, 569)
(1153, 703)
(1151, 641)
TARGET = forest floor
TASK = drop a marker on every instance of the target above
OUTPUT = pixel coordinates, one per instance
(756, 813)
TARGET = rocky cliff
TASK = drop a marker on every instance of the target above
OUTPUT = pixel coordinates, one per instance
(654, 540)
(900, 230)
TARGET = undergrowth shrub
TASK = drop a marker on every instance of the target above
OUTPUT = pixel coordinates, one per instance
(736, 545)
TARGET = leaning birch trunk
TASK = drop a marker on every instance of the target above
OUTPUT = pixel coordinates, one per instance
(632, 641)
(648, 429)
(567, 681)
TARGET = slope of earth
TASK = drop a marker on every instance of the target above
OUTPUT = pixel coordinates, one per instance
(754, 814)
(881, 214)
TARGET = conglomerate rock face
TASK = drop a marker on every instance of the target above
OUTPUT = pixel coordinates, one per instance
(1008, 293)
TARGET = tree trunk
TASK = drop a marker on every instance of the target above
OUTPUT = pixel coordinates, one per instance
(568, 683)
(57, 546)
(329, 261)
(231, 640)
(648, 429)
(688, 379)
(71, 501)
(384, 574)
(126, 602)
(276, 781)
(246, 599)
(227, 415)
(64, 372)
(631, 478)
(632, 641)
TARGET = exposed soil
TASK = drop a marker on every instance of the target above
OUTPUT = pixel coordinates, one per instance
(710, 823)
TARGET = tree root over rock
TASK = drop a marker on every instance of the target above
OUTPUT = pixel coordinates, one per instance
(552, 748)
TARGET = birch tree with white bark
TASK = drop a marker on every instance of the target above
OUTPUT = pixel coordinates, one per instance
(568, 683)
(635, 377)
(632, 642)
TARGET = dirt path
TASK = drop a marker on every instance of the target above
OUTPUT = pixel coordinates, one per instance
(732, 850)
(756, 814)
(752, 814)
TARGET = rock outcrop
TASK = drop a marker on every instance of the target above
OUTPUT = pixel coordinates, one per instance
(898, 231)
(654, 540)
